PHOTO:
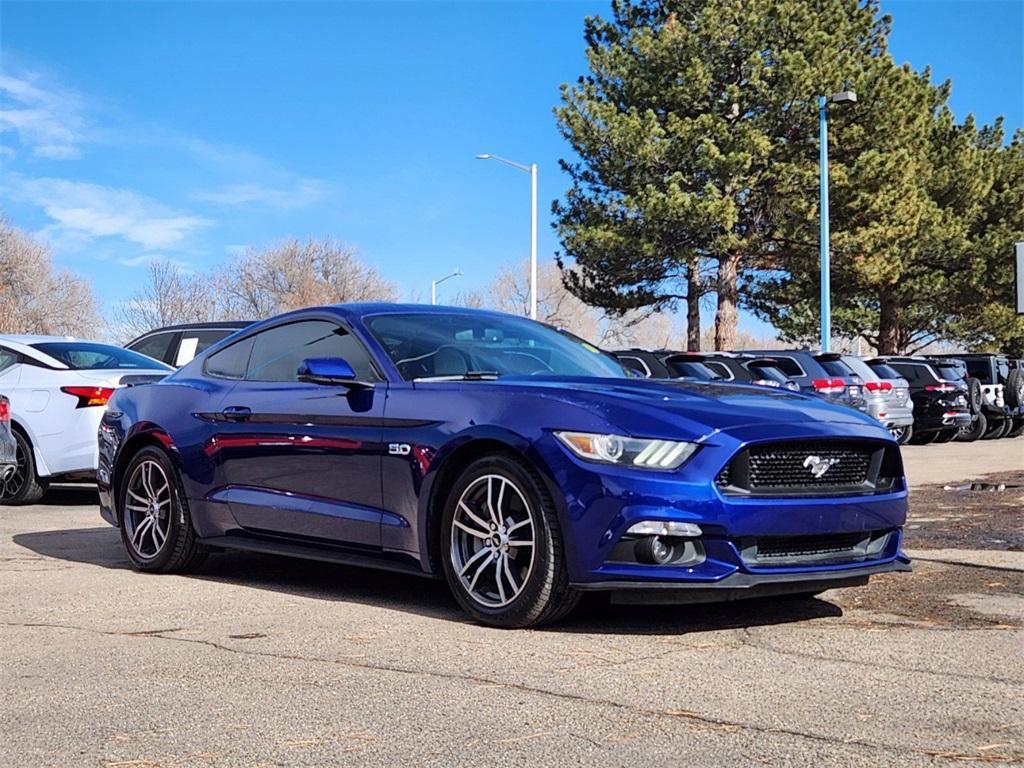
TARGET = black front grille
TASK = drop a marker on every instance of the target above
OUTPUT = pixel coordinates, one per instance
(771, 548)
(858, 546)
(795, 465)
(807, 467)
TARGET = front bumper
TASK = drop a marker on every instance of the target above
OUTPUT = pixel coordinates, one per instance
(740, 586)
(602, 503)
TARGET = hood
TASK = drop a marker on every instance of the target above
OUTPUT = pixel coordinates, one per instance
(697, 408)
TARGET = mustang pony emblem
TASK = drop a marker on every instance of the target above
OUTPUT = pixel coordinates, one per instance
(819, 466)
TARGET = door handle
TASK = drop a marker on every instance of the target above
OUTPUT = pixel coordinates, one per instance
(236, 413)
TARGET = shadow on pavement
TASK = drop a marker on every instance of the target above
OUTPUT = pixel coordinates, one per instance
(70, 496)
(427, 597)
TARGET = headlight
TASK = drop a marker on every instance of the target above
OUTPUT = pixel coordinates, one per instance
(627, 451)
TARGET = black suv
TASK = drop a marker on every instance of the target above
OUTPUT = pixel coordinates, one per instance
(810, 370)
(999, 393)
(178, 344)
(748, 369)
(938, 391)
(665, 364)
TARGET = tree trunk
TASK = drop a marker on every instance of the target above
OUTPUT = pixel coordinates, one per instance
(888, 323)
(693, 308)
(726, 318)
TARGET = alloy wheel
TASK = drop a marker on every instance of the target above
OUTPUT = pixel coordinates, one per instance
(147, 509)
(12, 486)
(493, 541)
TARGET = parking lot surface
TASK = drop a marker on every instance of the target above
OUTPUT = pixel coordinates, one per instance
(259, 661)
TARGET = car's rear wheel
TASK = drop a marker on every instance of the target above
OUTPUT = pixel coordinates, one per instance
(902, 434)
(996, 428)
(974, 430)
(156, 527)
(502, 546)
(946, 435)
(24, 486)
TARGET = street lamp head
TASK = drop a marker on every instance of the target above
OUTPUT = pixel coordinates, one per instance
(483, 157)
(843, 97)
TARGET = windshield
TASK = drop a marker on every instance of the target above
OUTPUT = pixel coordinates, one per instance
(884, 371)
(835, 367)
(948, 372)
(463, 345)
(85, 355)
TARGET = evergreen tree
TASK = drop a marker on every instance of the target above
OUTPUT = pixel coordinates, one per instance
(693, 131)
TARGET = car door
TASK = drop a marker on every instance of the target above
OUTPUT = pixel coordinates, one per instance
(304, 460)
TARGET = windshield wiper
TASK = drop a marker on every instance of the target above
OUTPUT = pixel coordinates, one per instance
(467, 376)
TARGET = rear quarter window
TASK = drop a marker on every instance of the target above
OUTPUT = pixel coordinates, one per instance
(231, 362)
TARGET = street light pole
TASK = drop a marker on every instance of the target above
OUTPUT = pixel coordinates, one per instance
(435, 283)
(843, 97)
(823, 235)
(532, 170)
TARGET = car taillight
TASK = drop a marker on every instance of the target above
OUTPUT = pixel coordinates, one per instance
(940, 387)
(878, 386)
(829, 386)
(5, 411)
(89, 396)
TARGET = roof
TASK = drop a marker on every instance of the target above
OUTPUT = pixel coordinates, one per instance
(202, 326)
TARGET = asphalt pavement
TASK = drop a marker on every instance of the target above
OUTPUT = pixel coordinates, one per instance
(261, 661)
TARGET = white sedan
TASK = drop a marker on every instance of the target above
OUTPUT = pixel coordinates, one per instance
(59, 388)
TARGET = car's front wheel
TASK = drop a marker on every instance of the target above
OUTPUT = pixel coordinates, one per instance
(156, 527)
(502, 546)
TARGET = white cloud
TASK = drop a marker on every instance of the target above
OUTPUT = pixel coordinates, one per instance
(47, 120)
(92, 210)
(301, 193)
(145, 259)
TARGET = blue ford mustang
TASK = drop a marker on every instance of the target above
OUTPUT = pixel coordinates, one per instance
(520, 464)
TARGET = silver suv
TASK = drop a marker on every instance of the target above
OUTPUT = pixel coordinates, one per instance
(888, 397)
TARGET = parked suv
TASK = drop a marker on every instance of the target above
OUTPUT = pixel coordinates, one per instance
(938, 391)
(748, 369)
(808, 370)
(665, 364)
(1002, 392)
(888, 397)
(177, 344)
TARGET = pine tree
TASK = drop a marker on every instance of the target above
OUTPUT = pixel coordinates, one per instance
(691, 131)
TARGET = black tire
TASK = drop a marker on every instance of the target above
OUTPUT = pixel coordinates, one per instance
(179, 551)
(545, 594)
(25, 486)
(1013, 391)
(1018, 427)
(974, 431)
(975, 399)
(1007, 428)
(945, 436)
(902, 435)
(995, 430)
(924, 438)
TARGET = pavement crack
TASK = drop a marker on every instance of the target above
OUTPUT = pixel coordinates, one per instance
(676, 715)
(752, 642)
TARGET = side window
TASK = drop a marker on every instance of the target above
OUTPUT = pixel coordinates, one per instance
(720, 368)
(278, 352)
(155, 346)
(7, 359)
(635, 364)
(194, 342)
(789, 366)
(231, 362)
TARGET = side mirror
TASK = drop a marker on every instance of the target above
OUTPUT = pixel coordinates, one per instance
(332, 371)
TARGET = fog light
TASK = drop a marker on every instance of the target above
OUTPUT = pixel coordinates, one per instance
(665, 528)
(651, 550)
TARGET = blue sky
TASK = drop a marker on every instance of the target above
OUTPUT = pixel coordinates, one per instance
(187, 131)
